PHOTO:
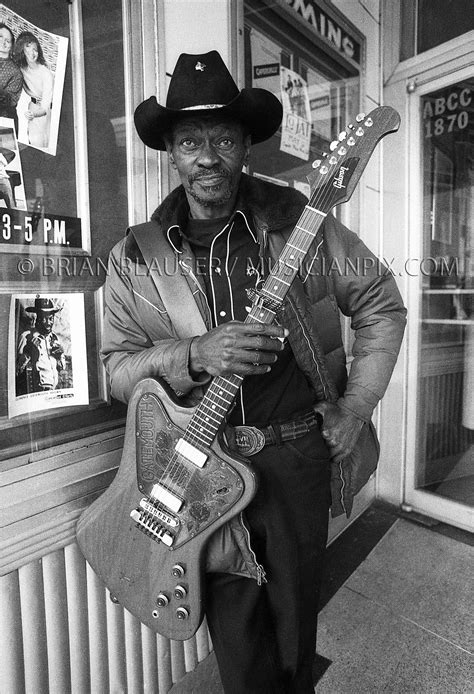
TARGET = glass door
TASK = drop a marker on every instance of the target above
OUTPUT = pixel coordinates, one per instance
(440, 478)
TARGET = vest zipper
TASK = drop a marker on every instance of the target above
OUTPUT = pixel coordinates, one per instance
(261, 575)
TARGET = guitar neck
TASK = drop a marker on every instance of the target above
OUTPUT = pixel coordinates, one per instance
(214, 407)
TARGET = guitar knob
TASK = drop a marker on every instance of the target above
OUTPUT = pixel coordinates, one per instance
(178, 571)
(182, 613)
(180, 592)
(162, 600)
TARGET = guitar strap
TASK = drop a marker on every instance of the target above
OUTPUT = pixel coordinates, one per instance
(173, 287)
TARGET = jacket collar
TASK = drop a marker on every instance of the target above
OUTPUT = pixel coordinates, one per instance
(267, 207)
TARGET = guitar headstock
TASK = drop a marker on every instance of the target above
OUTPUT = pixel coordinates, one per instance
(337, 173)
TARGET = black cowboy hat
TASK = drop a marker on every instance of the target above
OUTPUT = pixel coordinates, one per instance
(202, 84)
(42, 305)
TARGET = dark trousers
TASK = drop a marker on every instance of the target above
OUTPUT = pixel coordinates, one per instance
(264, 636)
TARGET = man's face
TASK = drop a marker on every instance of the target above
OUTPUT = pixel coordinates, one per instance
(208, 154)
(44, 322)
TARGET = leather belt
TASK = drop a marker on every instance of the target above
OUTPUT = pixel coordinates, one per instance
(250, 440)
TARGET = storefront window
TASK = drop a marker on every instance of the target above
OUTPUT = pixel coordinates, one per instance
(429, 23)
(62, 207)
(446, 379)
(319, 94)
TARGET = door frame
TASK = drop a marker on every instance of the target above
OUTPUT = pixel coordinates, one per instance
(420, 82)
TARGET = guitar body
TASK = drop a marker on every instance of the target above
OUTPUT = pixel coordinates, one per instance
(161, 585)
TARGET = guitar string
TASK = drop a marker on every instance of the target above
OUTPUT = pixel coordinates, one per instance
(306, 221)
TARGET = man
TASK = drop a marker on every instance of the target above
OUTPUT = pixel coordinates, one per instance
(223, 227)
(40, 356)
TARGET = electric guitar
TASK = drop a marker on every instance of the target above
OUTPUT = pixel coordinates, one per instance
(146, 535)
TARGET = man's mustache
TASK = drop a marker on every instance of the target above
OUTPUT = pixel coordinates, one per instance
(208, 173)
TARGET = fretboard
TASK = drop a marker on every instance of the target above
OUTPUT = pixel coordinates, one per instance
(213, 408)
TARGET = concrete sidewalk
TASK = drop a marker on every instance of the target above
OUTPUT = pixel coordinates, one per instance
(402, 622)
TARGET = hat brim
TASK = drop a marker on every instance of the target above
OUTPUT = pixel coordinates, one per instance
(32, 309)
(257, 109)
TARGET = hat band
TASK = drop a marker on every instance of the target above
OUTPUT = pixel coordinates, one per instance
(202, 107)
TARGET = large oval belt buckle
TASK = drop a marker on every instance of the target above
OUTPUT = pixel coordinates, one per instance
(249, 440)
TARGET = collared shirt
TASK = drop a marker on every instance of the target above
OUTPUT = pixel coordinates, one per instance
(227, 257)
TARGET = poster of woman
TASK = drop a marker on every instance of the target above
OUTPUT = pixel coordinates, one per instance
(47, 364)
(12, 189)
(39, 57)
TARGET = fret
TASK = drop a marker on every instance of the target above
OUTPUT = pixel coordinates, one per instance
(280, 279)
(306, 230)
(212, 407)
(300, 250)
(313, 209)
(208, 418)
(200, 435)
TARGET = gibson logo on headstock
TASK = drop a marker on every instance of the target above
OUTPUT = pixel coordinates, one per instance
(338, 182)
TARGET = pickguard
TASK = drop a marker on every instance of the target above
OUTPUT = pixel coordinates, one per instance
(206, 493)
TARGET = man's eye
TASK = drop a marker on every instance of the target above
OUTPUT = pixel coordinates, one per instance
(226, 143)
(188, 143)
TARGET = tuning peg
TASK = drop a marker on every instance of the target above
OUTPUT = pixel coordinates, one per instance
(359, 132)
(333, 160)
(316, 163)
(323, 170)
(360, 117)
(342, 136)
(333, 145)
(342, 151)
(351, 142)
(369, 122)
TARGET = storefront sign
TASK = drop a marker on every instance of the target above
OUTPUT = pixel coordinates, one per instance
(269, 70)
(447, 111)
(327, 27)
(19, 228)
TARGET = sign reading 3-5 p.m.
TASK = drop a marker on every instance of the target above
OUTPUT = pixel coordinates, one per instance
(27, 229)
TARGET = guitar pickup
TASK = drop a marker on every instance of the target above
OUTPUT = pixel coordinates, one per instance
(167, 498)
(191, 453)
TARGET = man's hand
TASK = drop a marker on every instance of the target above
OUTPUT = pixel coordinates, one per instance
(237, 348)
(340, 429)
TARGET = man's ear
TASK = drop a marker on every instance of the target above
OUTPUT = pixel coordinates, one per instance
(170, 153)
(247, 145)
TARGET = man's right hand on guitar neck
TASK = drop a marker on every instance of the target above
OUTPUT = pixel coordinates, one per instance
(237, 348)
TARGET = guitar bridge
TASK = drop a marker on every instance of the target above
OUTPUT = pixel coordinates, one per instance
(151, 527)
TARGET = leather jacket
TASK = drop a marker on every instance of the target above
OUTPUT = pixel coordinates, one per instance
(340, 275)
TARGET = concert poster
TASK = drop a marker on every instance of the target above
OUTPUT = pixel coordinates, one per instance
(47, 362)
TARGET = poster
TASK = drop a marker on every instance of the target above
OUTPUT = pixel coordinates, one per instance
(47, 362)
(38, 60)
(296, 124)
(12, 188)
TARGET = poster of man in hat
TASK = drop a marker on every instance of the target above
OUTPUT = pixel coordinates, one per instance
(47, 363)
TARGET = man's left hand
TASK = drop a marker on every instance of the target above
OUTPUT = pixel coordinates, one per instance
(340, 429)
